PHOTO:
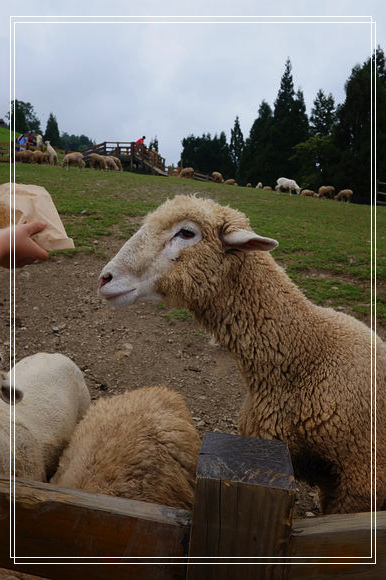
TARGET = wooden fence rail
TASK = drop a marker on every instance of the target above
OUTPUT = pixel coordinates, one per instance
(241, 527)
(381, 195)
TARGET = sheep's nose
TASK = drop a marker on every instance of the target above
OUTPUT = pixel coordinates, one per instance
(105, 279)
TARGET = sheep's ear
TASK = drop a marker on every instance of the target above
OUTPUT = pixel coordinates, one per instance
(247, 241)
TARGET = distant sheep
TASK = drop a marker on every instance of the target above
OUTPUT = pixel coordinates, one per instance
(24, 156)
(326, 191)
(40, 157)
(217, 177)
(187, 172)
(53, 398)
(344, 195)
(52, 153)
(230, 182)
(249, 185)
(98, 160)
(308, 369)
(141, 445)
(259, 185)
(73, 159)
(267, 188)
(288, 184)
(118, 162)
(307, 193)
(110, 163)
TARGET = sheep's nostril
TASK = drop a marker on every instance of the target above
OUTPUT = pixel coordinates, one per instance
(105, 279)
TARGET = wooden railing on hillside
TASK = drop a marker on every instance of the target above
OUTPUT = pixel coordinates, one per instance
(381, 195)
(245, 492)
(131, 154)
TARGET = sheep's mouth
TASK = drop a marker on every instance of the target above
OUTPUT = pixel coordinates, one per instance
(117, 295)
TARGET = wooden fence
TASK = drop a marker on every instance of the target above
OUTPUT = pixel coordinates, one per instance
(131, 154)
(381, 195)
(241, 526)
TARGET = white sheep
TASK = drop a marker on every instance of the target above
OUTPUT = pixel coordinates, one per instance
(259, 185)
(344, 195)
(52, 153)
(290, 184)
(54, 398)
(75, 158)
(307, 368)
(140, 445)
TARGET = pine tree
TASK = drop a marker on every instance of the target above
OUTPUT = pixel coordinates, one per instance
(24, 116)
(153, 146)
(323, 115)
(236, 144)
(290, 125)
(258, 154)
(52, 131)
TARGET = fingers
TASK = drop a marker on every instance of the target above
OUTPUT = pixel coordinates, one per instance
(34, 227)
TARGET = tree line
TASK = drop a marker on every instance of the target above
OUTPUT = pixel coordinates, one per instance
(23, 115)
(332, 147)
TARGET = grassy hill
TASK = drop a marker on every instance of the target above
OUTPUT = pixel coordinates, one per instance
(5, 135)
(326, 247)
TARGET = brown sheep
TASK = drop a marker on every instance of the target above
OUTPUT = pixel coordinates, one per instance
(98, 160)
(73, 159)
(217, 177)
(40, 157)
(141, 445)
(187, 172)
(117, 162)
(110, 163)
(344, 195)
(230, 182)
(24, 156)
(326, 191)
(307, 193)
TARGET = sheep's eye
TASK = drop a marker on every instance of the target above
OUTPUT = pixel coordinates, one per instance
(185, 234)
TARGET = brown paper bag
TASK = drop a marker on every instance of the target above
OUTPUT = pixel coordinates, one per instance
(34, 203)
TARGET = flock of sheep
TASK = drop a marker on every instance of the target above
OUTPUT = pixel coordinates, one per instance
(325, 191)
(307, 371)
(73, 159)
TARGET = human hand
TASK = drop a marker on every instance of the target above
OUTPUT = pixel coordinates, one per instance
(26, 250)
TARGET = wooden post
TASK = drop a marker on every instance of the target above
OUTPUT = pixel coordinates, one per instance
(242, 513)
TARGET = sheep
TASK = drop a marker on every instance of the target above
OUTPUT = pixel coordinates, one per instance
(267, 188)
(230, 182)
(307, 368)
(217, 177)
(249, 185)
(110, 163)
(118, 162)
(24, 156)
(140, 445)
(187, 172)
(307, 193)
(52, 153)
(40, 157)
(75, 158)
(99, 160)
(344, 195)
(259, 185)
(54, 398)
(289, 184)
(326, 191)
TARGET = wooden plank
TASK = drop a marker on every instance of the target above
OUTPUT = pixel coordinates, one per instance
(243, 507)
(60, 526)
(335, 545)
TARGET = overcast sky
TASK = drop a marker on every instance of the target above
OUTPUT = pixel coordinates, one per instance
(169, 76)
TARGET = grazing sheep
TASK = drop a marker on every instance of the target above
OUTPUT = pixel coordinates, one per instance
(52, 153)
(288, 184)
(307, 193)
(98, 160)
(54, 399)
(110, 163)
(344, 195)
(187, 172)
(326, 191)
(249, 185)
(24, 156)
(118, 162)
(75, 159)
(307, 368)
(217, 177)
(40, 157)
(267, 188)
(140, 445)
(259, 185)
(230, 182)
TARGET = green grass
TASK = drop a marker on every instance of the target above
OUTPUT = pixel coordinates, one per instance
(5, 135)
(324, 245)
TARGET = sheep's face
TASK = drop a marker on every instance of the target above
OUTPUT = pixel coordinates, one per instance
(181, 251)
